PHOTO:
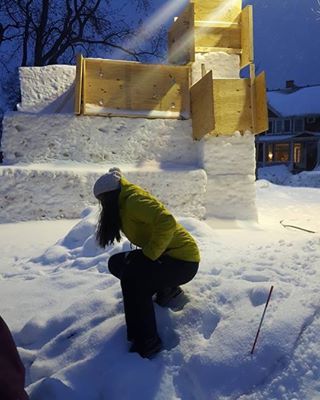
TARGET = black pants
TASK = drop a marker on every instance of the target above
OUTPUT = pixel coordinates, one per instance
(140, 278)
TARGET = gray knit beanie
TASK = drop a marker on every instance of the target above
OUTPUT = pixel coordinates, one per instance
(107, 182)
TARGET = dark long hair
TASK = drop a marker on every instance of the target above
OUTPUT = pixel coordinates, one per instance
(109, 224)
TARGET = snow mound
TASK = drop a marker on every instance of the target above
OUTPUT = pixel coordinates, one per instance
(281, 175)
(207, 343)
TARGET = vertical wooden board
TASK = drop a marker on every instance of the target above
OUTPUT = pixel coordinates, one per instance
(217, 10)
(253, 96)
(247, 55)
(84, 86)
(223, 37)
(261, 120)
(78, 85)
(134, 86)
(232, 106)
(202, 107)
(181, 38)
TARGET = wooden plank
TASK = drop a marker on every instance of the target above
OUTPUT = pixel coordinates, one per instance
(223, 37)
(261, 120)
(78, 85)
(217, 10)
(253, 95)
(215, 24)
(202, 107)
(84, 85)
(181, 38)
(247, 56)
(232, 102)
(134, 86)
(217, 49)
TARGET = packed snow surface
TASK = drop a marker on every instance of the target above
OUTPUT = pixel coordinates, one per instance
(66, 311)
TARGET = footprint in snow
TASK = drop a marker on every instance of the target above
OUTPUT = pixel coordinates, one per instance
(258, 296)
(255, 278)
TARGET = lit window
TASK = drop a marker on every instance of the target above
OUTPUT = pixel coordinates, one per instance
(297, 153)
(270, 153)
(281, 152)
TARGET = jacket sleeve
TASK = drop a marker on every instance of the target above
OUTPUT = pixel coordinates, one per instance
(150, 211)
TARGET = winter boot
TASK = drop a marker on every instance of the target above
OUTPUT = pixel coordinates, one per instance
(147, 348)
(164, 296)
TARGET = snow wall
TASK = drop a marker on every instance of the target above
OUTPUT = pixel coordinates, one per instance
(52, 157)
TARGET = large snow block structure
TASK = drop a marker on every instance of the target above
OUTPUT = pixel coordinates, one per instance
(190, 123)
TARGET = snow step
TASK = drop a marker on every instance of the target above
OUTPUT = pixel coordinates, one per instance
(53, 191)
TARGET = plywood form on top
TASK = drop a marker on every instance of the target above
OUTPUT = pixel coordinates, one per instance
(227, 36)
(189, 35)
(134, 86)
(217, 10)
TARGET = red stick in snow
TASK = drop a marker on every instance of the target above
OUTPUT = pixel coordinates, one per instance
(262, 318)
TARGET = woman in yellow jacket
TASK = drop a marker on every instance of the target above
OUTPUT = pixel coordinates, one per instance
(167, 257)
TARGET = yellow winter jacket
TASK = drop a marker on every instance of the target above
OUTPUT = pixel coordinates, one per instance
(150, 226)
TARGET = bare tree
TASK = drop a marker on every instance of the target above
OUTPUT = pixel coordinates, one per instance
(45, 32)
(316, 10)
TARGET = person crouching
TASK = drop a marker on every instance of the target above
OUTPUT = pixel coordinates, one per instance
(167, 257)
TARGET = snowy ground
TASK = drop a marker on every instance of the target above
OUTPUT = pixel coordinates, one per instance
(65, 310)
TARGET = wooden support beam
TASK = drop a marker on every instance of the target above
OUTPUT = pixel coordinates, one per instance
(253, 96)
(84, 85)
(218, 49)
(215, 24)
(78, 85)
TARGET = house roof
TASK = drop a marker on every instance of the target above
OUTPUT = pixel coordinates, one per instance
(286, 138)
(298, 103)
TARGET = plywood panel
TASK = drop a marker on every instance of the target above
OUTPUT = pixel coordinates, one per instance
(134, 86)
(181, 38)
(261, 120)
(78, 85)
(232, 106)
(247, 36)
(202, 107)
(217, 10)
(84, 85)
(252, 70)
(217, 49)
(222, 37)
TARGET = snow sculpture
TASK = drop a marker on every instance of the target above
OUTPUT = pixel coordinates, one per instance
(192, 121)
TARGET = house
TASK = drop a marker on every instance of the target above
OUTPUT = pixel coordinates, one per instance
(293, 137)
